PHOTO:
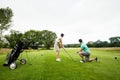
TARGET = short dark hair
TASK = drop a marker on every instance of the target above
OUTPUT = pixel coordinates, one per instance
(62, 34)
(80, 40)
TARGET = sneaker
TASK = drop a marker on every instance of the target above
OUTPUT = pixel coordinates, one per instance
(82, 61)
(58, 60)
(96, 59)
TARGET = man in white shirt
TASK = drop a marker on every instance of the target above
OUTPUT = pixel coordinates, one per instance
(58, 43)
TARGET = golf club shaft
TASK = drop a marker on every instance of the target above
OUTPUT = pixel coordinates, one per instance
(68, 54)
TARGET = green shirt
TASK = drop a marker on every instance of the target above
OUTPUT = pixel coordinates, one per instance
(84, 48)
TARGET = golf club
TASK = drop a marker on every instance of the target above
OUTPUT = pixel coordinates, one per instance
(68, 54)
(116, 57)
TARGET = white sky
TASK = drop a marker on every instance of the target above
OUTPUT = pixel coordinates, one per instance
(90, 20)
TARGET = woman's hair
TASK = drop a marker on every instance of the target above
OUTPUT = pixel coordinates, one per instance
(80, 40)
(62, 35)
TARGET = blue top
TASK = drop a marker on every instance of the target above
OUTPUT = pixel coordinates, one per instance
(84, 48)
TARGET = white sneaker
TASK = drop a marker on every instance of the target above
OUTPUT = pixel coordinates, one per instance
(82, 61)
(58, 60)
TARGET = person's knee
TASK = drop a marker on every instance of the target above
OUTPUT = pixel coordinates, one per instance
(81, 55)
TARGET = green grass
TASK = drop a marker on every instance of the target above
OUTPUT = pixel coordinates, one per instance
(44, 66)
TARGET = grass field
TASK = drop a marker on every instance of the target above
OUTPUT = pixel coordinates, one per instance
(44, 66)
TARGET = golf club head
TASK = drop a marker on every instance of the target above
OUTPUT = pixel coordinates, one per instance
(115, 57)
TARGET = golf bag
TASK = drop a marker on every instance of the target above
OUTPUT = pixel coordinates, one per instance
(14, 54)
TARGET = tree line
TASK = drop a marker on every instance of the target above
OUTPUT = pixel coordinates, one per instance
(44, 39)
(113, 42)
